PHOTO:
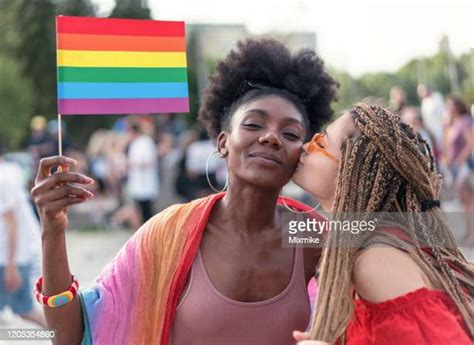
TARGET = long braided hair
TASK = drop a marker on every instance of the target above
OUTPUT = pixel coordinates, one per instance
(387, 168)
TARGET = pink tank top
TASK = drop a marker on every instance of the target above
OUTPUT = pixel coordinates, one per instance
(206, 317)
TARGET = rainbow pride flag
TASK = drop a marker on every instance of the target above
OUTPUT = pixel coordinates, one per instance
(121, 66)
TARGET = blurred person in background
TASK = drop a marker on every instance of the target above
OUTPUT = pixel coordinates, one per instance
(19, 244)
(169, 155)
(97, 159)
(459, 158)
(126, 214)
(432, 110)
(171, 123)
(142, 162)
(183, 185)
(196, 161)
(53, 128)
(398, 98)
(117, 163)
(40, 144)
(146, 123)
(165, 143)
(412, 117)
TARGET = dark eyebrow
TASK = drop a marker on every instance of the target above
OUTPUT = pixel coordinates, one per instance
(264, 114)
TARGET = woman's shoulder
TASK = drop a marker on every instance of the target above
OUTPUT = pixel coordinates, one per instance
(382, 273)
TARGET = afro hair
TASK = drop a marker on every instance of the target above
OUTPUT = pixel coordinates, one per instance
(269, 62)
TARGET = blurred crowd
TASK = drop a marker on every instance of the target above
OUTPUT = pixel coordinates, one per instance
(447, 125)
(145, 163)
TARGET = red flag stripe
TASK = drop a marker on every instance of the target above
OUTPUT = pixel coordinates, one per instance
(113, 26)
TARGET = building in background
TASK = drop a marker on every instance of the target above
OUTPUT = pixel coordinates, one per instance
(208, 43)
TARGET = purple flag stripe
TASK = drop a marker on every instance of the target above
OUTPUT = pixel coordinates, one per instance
(123, 106)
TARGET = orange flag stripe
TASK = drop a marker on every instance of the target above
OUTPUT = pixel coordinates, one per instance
(121, 43)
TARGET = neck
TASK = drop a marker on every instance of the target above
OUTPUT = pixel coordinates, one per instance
(327, 204)
(249, 209)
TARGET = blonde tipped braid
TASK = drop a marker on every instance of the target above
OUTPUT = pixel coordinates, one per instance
(386, 169)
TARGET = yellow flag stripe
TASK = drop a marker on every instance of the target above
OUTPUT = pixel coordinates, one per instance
(85, 58)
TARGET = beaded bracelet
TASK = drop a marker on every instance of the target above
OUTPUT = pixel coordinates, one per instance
(57, 300)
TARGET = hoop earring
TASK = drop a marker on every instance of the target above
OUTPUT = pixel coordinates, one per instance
(291, 210)
(207, 174)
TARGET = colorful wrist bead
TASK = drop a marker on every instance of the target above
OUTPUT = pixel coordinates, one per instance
(57, 300)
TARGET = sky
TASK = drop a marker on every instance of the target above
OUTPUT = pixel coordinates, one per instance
(358, 36)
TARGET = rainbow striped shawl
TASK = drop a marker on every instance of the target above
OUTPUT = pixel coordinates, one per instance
(134, 299)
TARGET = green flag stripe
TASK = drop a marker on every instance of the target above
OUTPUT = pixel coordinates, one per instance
(121, 74)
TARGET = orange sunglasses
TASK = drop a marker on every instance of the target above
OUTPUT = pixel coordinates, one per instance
(315, 145)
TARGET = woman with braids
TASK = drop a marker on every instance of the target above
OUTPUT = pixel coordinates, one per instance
(406, 283)
(211, 271)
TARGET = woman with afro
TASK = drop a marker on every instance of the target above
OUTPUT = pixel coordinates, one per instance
(212, 271)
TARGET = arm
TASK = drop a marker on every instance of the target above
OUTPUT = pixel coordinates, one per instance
(11, 224)
(12, 274)
(66, 320)
(382, 273)
(405, 309)
(53, 194)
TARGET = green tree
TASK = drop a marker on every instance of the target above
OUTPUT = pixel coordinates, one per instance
(9, 36)
(378, 85)
(433, 71)
(136, 9)
(467, 85)
(408, 79)
(34, 24)
(350, 90)
(16, 100)
(76, 8)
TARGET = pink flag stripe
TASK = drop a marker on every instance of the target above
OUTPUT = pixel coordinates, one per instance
(123, 106)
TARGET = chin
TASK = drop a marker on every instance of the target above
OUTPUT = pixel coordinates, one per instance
(265, 181)
(297, 178)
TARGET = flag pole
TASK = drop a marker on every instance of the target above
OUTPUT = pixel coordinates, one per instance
(60, 137)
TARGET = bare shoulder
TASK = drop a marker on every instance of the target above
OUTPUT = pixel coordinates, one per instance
(382, 273)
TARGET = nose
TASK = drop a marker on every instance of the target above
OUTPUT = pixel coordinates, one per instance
(271, 139)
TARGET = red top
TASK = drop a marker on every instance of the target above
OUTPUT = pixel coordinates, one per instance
(420, 317)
